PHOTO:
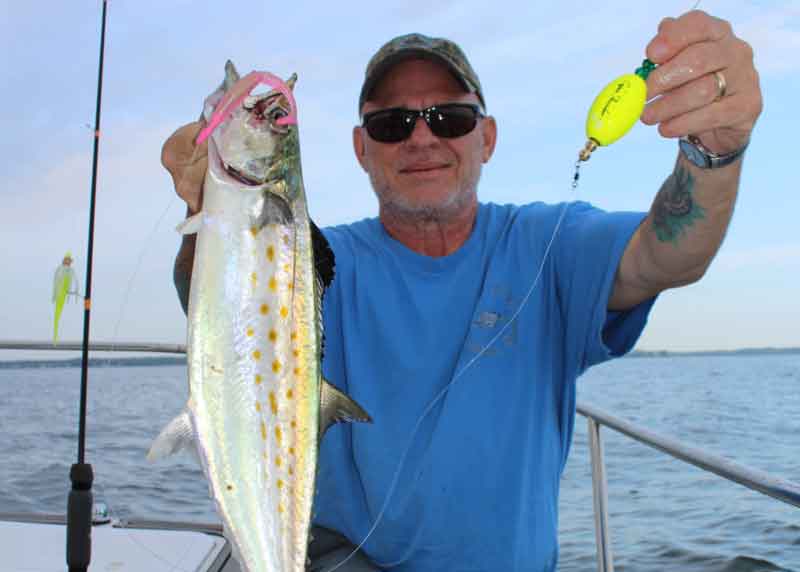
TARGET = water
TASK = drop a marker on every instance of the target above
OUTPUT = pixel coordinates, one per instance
(664, 514)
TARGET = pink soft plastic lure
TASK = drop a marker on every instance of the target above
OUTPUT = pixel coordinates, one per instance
(240, 90)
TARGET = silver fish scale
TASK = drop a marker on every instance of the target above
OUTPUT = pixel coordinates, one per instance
(253, 353)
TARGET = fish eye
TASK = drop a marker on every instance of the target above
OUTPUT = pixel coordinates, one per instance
(277, 113)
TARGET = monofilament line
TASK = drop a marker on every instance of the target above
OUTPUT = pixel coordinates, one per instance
(444, 391)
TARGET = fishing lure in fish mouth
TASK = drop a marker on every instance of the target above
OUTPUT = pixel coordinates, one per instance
(258, 403)
(616, 109)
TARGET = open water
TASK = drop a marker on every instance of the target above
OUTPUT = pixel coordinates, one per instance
(664, 514)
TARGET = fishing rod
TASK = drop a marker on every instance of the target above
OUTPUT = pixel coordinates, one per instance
(81, 499)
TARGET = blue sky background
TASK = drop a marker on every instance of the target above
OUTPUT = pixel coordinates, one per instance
(541, 64)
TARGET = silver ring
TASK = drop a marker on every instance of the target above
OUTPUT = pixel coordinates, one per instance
(722, 85)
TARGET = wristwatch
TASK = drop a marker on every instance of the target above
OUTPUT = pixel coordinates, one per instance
(698, 155)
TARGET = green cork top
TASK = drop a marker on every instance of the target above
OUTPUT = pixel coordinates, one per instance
(644, 71)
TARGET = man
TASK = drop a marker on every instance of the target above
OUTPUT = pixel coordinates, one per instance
(441, 324)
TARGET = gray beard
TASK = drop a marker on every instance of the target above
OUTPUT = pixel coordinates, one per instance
(395, 205)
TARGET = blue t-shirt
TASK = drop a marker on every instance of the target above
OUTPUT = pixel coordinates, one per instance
(478, 489)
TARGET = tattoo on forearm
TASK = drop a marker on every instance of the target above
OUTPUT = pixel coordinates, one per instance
(674, 209)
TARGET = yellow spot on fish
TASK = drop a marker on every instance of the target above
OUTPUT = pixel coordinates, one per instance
(280, 483)
(278, 433)
(284, 311)
(289, 394)
(263, 431)
(273, 284)
(256, 355)
(294, 424)
(270, 253)
(296, 371)
(291, 450)
(286, 268)
(273, 335)
(264, 309)
(276, 366)
(296, 352)
(250, 332)
(259, 379)
(278, 461)
(293, 336)
(253, 230)
(291, 471)
(254, 278)
(258, 406)
(273, 402)
(280, 509)
(290, 286)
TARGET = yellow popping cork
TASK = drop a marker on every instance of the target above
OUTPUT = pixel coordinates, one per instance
(616, 109)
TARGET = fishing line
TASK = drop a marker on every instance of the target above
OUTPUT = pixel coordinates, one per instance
(122, 526)
(137, 267)
(455, 378)
(128, 532)
(444, 392)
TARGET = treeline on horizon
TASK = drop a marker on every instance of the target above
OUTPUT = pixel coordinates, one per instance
(743, 351)
(146, 361)
(94, 362)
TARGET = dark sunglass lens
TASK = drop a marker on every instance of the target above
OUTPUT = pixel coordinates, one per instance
(453, 121)
(388, 126)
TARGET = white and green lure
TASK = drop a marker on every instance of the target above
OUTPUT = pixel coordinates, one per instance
(65, 286)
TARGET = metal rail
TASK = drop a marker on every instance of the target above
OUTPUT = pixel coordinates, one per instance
(754, 479)
(94, 346)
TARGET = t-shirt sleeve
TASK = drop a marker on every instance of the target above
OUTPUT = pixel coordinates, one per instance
(587, 256)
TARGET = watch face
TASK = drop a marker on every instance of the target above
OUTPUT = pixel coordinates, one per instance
(693, 154)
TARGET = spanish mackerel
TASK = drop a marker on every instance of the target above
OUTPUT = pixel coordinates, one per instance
(258, 403)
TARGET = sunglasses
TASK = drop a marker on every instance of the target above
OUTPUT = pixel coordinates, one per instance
(448, 120)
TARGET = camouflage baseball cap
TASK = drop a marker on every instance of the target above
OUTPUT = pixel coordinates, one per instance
(413, 46)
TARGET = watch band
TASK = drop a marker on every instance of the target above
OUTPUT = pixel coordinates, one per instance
(698, 155)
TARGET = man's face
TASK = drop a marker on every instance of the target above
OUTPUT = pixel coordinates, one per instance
(425, 175)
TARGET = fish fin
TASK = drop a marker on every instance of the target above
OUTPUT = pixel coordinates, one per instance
(191, 225)
(274, 211)
(337, 407)
(231, 75)
(324, 259)
(177, 435)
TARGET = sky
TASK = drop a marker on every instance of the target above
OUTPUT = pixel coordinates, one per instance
(541, 64)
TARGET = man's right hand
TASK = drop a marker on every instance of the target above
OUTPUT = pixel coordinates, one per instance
(187, 163)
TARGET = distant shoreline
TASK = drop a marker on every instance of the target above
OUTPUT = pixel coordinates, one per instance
(165, 361)
(93, 362)
(741, 352)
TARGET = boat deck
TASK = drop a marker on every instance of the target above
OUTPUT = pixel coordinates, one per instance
(36, 543)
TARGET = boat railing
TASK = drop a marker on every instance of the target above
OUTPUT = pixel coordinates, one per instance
(754, 479)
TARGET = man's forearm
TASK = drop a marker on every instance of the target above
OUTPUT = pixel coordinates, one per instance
(688, 219)
(182, 270)
(681, 234)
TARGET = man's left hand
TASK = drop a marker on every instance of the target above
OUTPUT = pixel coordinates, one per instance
(696, 53)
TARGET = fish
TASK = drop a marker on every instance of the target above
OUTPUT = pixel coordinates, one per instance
(258, 403)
